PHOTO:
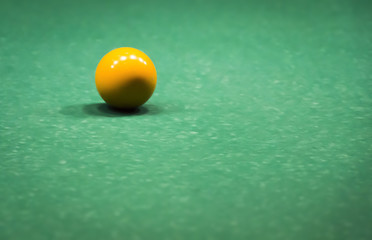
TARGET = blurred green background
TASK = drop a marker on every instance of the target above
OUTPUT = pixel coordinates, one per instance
(260, 126)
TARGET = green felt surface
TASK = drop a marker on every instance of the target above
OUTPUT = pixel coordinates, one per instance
(260, 126)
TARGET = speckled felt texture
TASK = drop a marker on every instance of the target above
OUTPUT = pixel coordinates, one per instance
(260, 126)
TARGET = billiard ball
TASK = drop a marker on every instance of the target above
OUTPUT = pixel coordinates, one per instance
(125, 78)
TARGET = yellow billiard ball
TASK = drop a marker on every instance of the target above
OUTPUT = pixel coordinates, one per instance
(125, 78)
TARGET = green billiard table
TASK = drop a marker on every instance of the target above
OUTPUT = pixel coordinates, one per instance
(260, 126)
